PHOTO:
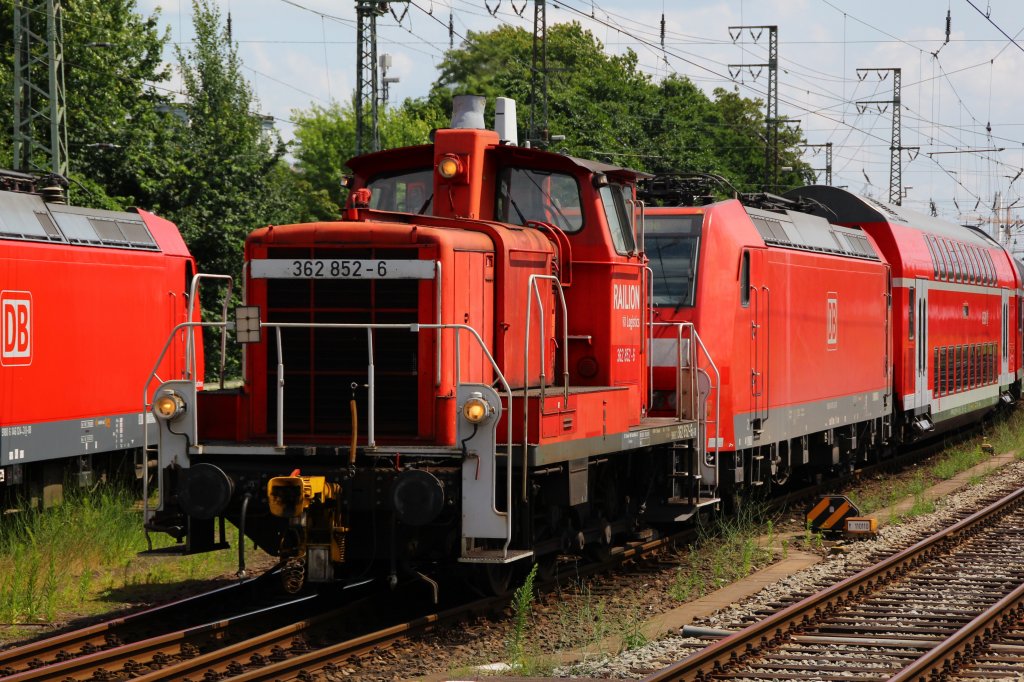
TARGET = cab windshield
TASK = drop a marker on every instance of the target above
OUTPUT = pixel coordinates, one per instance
(405, 192)
(672, 243)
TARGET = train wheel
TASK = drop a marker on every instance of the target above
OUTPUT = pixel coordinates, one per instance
(547, 567)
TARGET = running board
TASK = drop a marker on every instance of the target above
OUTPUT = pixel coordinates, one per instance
(677, 512)
(494, 556)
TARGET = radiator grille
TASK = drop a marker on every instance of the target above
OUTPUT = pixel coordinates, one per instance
(321, 364)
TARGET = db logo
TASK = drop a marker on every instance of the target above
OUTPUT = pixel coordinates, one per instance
(15, 328)
(832, 314)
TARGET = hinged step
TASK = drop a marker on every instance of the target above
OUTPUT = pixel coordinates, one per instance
(494, 556)
(686, 501)
(180, 549)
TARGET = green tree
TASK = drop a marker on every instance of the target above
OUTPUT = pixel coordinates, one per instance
(221, 161)
(112, 72)
(325, 138)
(607, 109)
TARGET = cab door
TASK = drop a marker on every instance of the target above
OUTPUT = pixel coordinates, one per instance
(755, 297)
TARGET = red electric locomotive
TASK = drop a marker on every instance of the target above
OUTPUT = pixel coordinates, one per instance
(796, 304)
(957, 328)
(87, 298)
(795, 311)
(455, 372)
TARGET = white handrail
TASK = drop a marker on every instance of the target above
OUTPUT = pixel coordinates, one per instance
(693, 360)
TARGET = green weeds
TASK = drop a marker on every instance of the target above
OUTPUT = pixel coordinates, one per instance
(522, 607)
(76, 557)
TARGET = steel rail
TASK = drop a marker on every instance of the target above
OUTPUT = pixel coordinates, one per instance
(715, 659)
(100, 634)
(960, 648)
(169, 644)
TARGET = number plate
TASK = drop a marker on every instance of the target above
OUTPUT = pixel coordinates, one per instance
(321, 268)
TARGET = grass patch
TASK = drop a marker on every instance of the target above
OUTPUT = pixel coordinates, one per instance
(522, 607)
(79, 558)
(727, 550)
(1007, 435)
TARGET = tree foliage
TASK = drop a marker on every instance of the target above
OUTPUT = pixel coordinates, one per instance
(113, 72)
(607, 108)
(325, 138)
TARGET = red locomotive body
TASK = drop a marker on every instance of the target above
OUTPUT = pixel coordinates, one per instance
(88, 298)
(956, 335)
(795, 312)
(455, 371)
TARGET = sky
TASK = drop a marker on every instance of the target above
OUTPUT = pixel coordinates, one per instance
(957, 97)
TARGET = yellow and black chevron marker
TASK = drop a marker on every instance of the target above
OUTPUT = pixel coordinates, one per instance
(829, 514)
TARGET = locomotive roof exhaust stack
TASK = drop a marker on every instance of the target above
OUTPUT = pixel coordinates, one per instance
(468, 111)
(505, 120)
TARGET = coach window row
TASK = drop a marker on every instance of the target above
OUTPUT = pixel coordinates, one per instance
(961, 368)
(955, 261)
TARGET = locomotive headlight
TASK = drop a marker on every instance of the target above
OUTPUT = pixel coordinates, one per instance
(169, 406)
(449, 166)
(475, 410)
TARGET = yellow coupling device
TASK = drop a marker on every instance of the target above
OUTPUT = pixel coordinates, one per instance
(290, 496)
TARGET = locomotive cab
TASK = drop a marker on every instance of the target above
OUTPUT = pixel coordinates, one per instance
(457, 371)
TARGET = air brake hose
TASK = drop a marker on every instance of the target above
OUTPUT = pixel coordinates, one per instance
(354, 411)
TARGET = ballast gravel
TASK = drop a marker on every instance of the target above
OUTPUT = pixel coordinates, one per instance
(637, 663)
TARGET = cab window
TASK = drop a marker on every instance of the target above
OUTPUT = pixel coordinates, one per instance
(673, 243)
(526, 195)
(617, 216)
(406, 192)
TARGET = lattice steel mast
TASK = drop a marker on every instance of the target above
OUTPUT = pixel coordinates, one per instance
(539, 72)
(896, 145)
(771, 118)
(367, 80)
(828, 159)
(29, 113)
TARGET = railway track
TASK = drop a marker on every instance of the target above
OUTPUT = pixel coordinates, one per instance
(923, 609)
(202, 636)
(292, 640)
(180, 614)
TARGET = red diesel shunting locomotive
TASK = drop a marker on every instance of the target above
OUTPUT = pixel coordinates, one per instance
(463, 369)
(454, 372)
(87, 298)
